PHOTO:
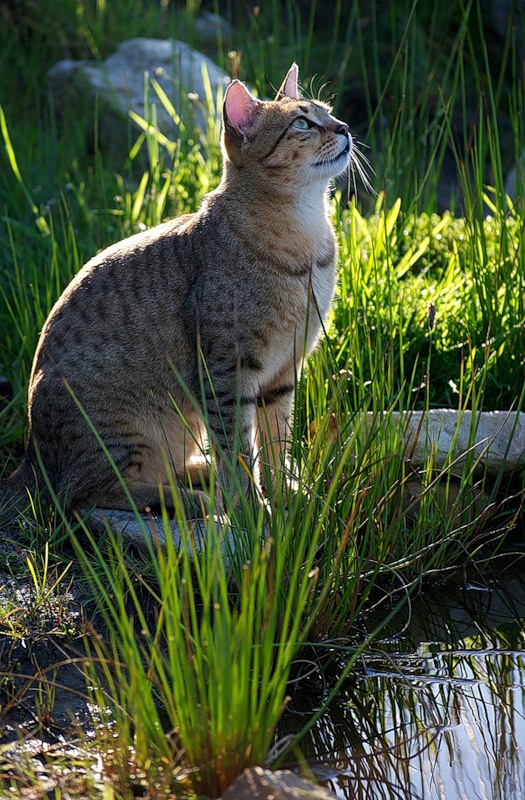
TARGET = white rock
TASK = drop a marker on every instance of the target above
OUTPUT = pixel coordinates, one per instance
(496, 438)
(116, 86)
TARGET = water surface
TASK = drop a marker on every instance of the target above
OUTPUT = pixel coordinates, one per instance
(437, 710)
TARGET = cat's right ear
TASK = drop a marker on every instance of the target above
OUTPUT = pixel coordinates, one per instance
(290, 85)
(239, 110)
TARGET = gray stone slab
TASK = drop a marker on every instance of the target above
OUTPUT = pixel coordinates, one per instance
(139, 530)
(495, 438)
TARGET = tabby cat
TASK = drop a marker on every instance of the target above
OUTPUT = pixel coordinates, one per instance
(213, 310)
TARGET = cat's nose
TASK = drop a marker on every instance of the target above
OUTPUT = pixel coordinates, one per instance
(341, 127)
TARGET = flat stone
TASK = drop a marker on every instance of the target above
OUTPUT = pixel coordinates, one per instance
(455, 503)
(257, 783)
(496, 439)
(140, 529)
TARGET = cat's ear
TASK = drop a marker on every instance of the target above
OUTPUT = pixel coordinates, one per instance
(290, 85)
(239, 110)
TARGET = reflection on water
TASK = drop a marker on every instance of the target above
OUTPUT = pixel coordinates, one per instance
(436, 712)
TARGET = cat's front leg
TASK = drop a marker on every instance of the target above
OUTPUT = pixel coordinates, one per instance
(230, 414)
(274, 408)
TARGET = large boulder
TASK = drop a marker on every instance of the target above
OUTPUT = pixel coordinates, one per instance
(107, 91)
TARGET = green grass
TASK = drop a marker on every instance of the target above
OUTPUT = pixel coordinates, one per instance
(431, 94)
(211, 625)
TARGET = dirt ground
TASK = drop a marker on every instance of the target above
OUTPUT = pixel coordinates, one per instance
(46, 712)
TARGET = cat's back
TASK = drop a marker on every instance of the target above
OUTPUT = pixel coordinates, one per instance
(118, 297)
(130, 269)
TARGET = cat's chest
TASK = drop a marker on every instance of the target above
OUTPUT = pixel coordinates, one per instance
(319, 283)
(322, 283)
(300, 306)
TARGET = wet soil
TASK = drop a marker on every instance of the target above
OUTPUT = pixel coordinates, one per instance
(45, 703)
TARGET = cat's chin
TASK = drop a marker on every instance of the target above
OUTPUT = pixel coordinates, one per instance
(331, 167)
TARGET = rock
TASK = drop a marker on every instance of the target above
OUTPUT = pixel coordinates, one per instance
(209, 25)
(257, 783)
(495, 438)
(138, 530)
(453, 502)
(108, 90)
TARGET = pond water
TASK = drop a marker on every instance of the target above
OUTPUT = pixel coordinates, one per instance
(437, 710)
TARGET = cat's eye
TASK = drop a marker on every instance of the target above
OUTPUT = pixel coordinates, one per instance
(301, 124)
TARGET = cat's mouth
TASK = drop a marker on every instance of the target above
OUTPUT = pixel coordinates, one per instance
(345, 152)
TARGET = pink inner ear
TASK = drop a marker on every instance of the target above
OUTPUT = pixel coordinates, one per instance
(291, 88)
(240, 105)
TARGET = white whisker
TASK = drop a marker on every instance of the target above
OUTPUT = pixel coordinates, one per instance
(360, 164)
(359, 170)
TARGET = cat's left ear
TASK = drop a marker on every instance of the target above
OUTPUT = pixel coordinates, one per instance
(290, 85)
(239, 110)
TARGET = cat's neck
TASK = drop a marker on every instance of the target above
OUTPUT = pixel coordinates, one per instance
(310, 210)
(276, 216)
(257, 187)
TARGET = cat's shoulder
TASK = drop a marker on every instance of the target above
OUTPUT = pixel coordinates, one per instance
(137, 243)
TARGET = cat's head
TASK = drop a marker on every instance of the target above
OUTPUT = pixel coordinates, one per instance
(294, 138)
